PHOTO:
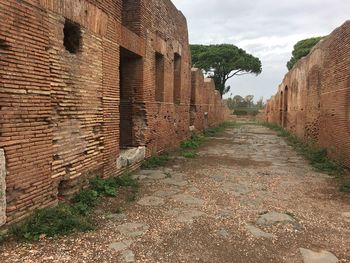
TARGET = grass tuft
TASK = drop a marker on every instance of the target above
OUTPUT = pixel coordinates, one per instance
(189, 155)
(213, 131)
(155, 161)
(62, 219)
(345, 187)
(66, 218)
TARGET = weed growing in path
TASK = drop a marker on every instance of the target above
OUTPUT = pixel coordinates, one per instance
(155, 161)
(189, 147)
(345, 187)
(189, 155)
(213, 131)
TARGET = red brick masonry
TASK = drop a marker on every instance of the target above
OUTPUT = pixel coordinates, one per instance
(313, 101)
(81, 79)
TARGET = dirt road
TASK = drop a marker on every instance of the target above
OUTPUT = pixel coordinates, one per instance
(248, 197)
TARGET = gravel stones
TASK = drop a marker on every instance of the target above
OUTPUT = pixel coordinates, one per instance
(188, 199)
(236, 189)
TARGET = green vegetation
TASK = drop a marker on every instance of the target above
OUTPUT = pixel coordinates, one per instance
(155, 161)
(317, 157)
(212, 132)
(302, 49)
(245, 106)
(3, 236)
(190, 144)
(66, 218)
(189, 155)
(246, 111)
(188, 148)
(222, 62)
(345, 187)
(59, 220)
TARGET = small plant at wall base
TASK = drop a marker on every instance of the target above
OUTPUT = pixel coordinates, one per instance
(60, 220)
(66, 218)
(188, 148)
(155, 161)
(189, 155)
(192, 143)
(345, 187)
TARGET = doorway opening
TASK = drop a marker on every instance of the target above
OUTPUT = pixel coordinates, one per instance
(177, 78)
(285, 107)
(131, 80)
(281, 108)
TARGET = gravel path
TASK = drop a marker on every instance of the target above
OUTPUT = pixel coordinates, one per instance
(248, 197)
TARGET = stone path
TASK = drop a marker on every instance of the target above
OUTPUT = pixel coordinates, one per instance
(248, 197)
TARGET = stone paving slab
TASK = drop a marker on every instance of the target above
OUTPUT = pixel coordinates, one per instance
(188, 199)
(310, 256)
(133, 229)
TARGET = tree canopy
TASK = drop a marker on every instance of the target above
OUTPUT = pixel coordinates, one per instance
(302, 49)
(239, 102)
(222, 62)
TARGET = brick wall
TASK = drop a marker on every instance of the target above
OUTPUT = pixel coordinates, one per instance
(313, 100)
(66, 113)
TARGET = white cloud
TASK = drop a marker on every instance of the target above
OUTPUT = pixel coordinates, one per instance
(266, 28)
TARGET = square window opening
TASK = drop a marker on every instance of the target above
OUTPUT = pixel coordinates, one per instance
(72, 36)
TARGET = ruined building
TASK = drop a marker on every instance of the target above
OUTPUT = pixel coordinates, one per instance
(91, 87)
(313, 100)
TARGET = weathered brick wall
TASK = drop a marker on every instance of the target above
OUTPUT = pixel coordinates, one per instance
(207, 107)
(2, 187)
(314, 99)
(25, 101)
(72, 73)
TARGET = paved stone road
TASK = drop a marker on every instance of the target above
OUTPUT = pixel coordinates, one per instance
(248, 197)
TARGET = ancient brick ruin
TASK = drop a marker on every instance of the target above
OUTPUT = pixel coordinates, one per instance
(90, 87)
(313, 100)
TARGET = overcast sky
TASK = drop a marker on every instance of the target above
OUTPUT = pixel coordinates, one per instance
(267, 29)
